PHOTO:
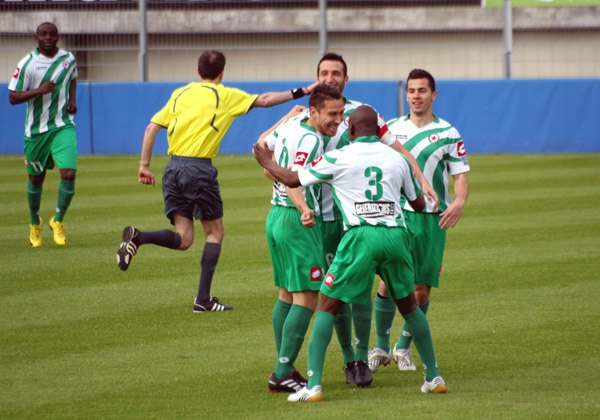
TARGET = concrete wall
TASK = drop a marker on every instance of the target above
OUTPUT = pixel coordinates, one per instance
(271, 44)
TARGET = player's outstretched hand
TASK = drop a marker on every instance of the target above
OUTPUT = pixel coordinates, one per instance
(262, 154)
(145, 176)
(308, 89)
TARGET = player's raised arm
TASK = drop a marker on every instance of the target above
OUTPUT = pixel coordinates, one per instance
(268, 99)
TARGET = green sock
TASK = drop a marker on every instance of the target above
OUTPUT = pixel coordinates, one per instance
(34, 197)
(361, 316)
(343, 328)
(292, 337)
(66, 191)
(385, 310)
(406, 338)
(280, 313)
(419, 327)
(317, 347)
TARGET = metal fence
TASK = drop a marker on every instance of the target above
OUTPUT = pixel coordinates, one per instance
(282, 40)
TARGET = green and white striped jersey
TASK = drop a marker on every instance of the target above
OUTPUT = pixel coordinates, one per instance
(367, 180)
(439, 150)
(328, 209)
(49, 111)
(295, 144)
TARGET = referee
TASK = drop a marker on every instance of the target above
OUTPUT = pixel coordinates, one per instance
(196, 117)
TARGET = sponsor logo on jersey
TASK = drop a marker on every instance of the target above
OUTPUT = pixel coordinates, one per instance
(300, 158)
(462, 153)
(329, 280)
(315, 274)
(383, 129)
(16, 74)
(401, 137)
(41, 68)
(314, 162)
(434, 138)
(374, 208)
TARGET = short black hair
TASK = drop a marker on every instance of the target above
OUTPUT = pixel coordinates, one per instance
(211, 64)
(421, 74)
(330, 56)
(37, 31)
(322, 93)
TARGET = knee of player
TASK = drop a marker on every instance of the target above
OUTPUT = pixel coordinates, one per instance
(186, 242)
(68, 174)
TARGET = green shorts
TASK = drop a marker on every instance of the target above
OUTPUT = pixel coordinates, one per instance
(42, 150)
(332, 235)
(296, 251)
(427, 243)
(363, 252)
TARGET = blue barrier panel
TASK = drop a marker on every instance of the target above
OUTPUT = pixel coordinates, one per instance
(13, 122)
(522, 116)
(123, 110)
(499, 116)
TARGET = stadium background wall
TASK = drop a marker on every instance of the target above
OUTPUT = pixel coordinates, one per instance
(493, 116)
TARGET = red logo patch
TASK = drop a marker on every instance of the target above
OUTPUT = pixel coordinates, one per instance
(26, 163)
(461, 149)
(383, 130)
(434, 138)
(329, 280)
(17, 71)
(314, 162)
(300, 158)
(65, 64)
(315, 274)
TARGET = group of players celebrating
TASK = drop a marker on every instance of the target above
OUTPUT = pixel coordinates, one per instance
(345, 207)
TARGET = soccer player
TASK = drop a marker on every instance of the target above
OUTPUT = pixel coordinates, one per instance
(333, 70)
(440, 151)
(46, 80)
(367, 181)
(294, 230)
(196, 117)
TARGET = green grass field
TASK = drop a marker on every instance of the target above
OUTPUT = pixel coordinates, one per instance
(516, 323)
(541, 3)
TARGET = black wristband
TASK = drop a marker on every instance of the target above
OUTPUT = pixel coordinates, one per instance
(298, 93)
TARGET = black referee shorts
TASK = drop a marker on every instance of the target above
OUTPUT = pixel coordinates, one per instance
(190, 188)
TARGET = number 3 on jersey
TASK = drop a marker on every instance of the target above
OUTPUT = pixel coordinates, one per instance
(375, 174)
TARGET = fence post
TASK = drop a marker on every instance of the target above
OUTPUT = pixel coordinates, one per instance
(322, 28)
(142, 57)
(507, 30)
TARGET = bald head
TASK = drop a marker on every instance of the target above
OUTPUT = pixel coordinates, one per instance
(363, 122)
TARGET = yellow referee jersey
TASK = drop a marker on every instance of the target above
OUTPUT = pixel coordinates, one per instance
(198, 115)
